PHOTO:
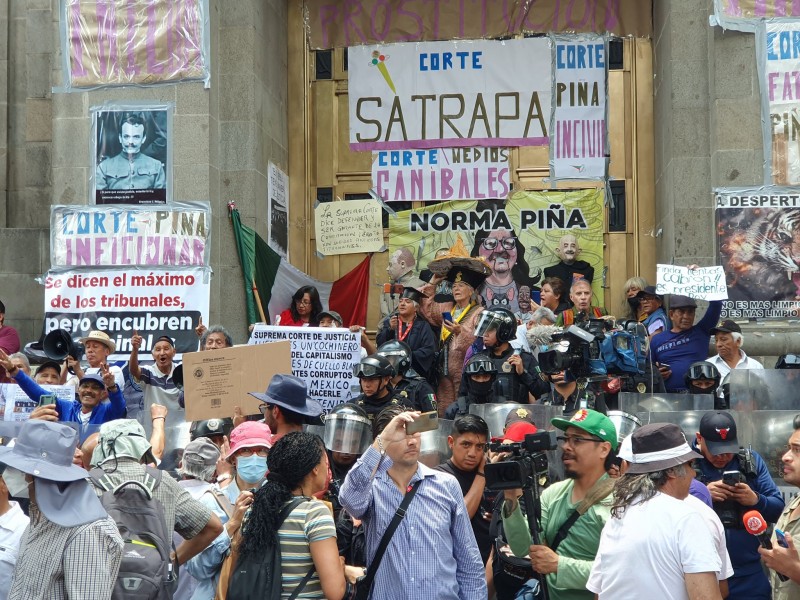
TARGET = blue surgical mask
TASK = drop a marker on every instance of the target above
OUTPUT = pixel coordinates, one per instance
(16, 483)
(251, 468)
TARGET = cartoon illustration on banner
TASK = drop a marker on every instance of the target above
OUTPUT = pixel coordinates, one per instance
(132, 155)
(519, 238)
(757, 235)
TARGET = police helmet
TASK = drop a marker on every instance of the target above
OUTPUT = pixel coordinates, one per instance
(373, 366)
(480, 363)
(210, 428)
(398, 353)
(501, 319)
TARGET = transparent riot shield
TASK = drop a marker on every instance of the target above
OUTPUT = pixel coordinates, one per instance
(633, 403)
(767, 432)
(434, 449)
(768, 389)
(624, 423)
(495, 415)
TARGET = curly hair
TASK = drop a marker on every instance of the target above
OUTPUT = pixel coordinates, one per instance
(631, 489)
(291, 459)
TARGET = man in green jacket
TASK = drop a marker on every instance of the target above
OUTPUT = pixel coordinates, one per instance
(588, 446)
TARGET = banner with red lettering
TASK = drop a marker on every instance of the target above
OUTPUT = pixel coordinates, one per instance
(134, 42)
(450, 94)
(578, 133)
(153, 302)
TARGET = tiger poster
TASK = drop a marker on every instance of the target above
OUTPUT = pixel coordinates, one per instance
(758, 245)
(518, 237)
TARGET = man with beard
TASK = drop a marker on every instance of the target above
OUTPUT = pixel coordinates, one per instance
(581, 296)
(674, 350)
(570, 269)
(779, 559)
(574, 511)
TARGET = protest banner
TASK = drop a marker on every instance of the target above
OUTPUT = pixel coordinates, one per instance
(16, 406)
(119, 302)
(133, 42)
(441, 174)
(746, 15)
(278, 210)
(756, 233)
(217, 381)
(449, 94)
(103, 236)
(332, 23)
(531, 225)
(778, 51)
(578, 140)
(348, 227)
(323, 357)
(704, 283)
(132, 153)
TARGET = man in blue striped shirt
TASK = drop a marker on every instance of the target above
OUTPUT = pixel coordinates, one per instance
(433, 553)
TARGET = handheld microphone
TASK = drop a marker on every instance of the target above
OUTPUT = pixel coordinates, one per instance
(755, 525)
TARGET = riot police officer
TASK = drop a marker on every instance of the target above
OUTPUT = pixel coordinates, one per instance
(407, 383)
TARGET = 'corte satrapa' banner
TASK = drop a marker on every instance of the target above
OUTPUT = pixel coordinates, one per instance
(333, 23)
(133, 42)
(517, 237)
(449, 94)
(578, 141)
(115, 236)
(119, 302)
(441, 174)
(757, 229)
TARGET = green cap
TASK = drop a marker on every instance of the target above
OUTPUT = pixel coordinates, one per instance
(592, 422)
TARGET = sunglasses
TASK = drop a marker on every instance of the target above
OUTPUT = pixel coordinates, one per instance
(508, 243)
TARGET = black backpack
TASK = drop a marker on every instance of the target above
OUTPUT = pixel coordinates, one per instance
(146, 571)
(260, 576)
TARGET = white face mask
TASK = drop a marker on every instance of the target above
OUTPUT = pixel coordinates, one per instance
(16, 483)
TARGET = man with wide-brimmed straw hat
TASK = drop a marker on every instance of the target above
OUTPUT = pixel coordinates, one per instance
(97, 348)
(655, 543)
(71, 549)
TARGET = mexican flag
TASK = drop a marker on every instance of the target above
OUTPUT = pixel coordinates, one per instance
(270, 281)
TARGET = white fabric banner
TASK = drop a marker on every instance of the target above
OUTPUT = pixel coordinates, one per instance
(450, 94)
(323, 357)
(119, 302)
(441, 174)
(578, 140)
(705, 283)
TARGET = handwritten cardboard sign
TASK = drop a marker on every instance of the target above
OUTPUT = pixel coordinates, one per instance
(705, 283)
(323, 357)
(215, 381)
(348, 227)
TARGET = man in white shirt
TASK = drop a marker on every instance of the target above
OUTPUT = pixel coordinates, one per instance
(12, 523)
(672, 556)
(728, 338)
(97, 348)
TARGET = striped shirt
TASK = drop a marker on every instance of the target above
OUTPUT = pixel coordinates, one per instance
(56, 563)
(309, 522)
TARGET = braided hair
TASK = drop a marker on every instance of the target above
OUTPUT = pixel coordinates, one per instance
(291, 459)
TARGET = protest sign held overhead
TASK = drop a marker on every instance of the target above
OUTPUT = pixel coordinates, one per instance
(348, 227)
(119, 302)
(449, 94)
(756, 233)
(704, 283)
(323, 357)
(100, 236)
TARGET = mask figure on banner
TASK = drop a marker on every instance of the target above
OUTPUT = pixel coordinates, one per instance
(401, 274)
(505, 253)
(570, 268)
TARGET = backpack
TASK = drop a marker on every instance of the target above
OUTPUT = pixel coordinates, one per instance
(260, 576)
(146, 571)
(623, 352)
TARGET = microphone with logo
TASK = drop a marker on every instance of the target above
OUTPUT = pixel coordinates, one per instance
(755, 524)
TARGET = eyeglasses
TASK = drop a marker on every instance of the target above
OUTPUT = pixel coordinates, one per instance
(303, 302)
(793, 448)
(508, 243)
(250, 451)
(264, 408)
(575, 440)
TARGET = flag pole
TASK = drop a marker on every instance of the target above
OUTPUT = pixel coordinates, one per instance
(258, 302)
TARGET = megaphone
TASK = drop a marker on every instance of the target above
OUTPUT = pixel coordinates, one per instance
(58, 344)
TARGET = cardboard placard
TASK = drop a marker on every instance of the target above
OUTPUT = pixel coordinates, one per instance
(215, 381)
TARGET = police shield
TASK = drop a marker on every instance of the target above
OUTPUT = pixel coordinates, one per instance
(624, 423)
(632, 403)
(433, 446)
(768, 389)
(495, 415)
(687, 420)
(768, 432)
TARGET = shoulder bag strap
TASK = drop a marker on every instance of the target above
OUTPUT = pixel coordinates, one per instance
(599, 490)
(387, 536)
(222, 501)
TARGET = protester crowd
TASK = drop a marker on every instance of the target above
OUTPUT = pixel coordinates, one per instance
(292, 503)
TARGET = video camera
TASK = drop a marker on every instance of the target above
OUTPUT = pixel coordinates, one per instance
(527, 462)
(576, 350)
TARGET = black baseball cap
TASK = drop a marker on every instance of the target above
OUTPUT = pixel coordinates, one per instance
(49, 364)
(726, 326)
(718, 430)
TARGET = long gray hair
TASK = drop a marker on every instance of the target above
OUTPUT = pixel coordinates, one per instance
(632, 489)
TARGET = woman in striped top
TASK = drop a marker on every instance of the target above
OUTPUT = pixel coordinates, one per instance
(298, 468)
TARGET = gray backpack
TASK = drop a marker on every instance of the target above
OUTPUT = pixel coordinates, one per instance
(146, 571)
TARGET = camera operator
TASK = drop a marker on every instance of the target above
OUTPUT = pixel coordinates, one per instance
(738, 481)
(517, 371)
(566, 393)
(574, 511)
